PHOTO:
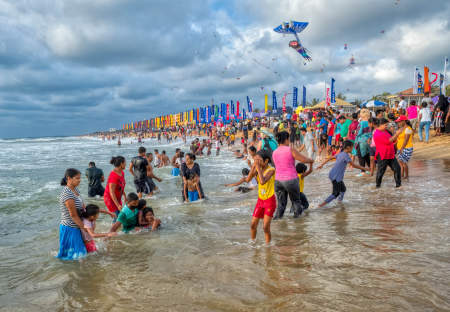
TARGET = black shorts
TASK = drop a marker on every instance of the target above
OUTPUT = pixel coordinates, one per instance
(243, 189)
(141, 186)
(338, 187)
(94, 191)
(372, 151)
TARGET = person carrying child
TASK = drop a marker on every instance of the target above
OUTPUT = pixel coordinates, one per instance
(192, 189)
(89, 217)
(336, 174)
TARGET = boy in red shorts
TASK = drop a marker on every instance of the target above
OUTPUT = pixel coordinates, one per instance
(266, 204)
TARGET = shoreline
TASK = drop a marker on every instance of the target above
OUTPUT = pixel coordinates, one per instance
(437, 148)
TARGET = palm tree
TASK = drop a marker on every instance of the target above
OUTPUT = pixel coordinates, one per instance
(341, 96)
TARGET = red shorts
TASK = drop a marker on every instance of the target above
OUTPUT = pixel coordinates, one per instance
(90, 246)
(265, 207)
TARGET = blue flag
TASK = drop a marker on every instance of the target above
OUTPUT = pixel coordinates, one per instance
(294, 98)
(249, 106)
(232, 107)
(274, 101)
(304, 97)
(333, 93)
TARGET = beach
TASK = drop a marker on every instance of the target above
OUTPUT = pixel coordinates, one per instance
(388, 252)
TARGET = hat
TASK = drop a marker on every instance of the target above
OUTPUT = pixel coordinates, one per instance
(266, 131)
(401, 118)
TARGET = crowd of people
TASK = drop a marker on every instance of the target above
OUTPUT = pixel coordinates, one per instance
(279, 155)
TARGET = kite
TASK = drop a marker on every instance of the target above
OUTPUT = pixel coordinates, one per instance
(352, 61)
(294, 28)
(345, 46)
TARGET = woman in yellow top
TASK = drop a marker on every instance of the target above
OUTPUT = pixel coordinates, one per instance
(404, 145)
(267, 203)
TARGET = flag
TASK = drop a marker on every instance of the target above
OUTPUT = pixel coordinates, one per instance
(444, 74)
(328, 97)
(284, 102)
(333, 93)
(265, 103)
(249, 106)
(228, 112)
(426, 80)
(304, 97)
(419, 83)
(237, 109)
(294, 98)
(415, 85)
(274, 101)
(244, 116)
(232, 107)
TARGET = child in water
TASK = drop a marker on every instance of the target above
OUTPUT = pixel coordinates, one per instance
(89, 216)
(336, 174)
(267, 203)
(146, 217)
(192, 189)
(244, 189)
(302, 174)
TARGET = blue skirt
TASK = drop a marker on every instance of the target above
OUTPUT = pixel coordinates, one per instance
(71, 244)
(175, 172)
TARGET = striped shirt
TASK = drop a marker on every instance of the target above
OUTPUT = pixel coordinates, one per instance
(67, 194)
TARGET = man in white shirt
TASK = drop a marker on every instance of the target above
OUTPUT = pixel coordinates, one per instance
(402, 103)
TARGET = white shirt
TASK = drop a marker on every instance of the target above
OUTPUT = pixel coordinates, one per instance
(426, 114)
(402, 104)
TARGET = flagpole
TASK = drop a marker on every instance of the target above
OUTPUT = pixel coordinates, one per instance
(445, 76)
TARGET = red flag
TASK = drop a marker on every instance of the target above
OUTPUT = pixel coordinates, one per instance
(426, 81)
(228, 111)
(284, 102)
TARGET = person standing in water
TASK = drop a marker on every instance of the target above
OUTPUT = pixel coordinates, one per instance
(138, 168)
(115, 186)
(95, 178)
(267, 203)
(151, 186)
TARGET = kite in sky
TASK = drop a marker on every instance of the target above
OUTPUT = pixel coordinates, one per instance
(294, 28)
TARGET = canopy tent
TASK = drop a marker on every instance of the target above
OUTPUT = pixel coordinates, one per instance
(339, 103)
(373, 103)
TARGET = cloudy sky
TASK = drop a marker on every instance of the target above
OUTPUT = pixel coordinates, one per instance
(77, 66)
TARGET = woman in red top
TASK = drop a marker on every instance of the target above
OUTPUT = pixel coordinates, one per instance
(115, 187)
(385, 152)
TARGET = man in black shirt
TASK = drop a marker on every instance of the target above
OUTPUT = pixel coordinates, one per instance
(95, 178)
(138, 168)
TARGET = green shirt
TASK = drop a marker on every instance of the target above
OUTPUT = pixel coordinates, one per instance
(344, 128)
(128, 218)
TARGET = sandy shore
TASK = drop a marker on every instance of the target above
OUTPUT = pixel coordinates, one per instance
(437, 148)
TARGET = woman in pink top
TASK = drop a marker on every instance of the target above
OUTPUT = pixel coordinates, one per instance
(413, 113)
(286, 178)
(385, 152)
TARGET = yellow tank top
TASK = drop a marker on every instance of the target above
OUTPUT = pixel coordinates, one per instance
(401, 138)
(265, 191)
(301, 182)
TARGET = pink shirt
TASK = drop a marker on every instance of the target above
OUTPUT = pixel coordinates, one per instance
(385, 148)
(284, 164)
(412, 112)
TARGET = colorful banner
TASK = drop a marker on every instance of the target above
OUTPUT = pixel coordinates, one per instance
(328, 96)
(304, 97)
(232, 107)
(294, 97)
(419, 84)
(284, 102)
(333, 93)
(249, 105)
(237, 109)
(426, 80)
(274, 101)
(266, 105)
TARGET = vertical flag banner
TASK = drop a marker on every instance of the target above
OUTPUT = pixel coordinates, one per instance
(415, 88)
(419, 83)
(333, 93)
(426, 80)
(328, 96)
(249, 106)
(232, 107)
(444, 79)
(237, 109)
(274, 101)
(304, 97)
(266, 105)
(228, 111)
(294, 97)
(244, 116)
(284, 102)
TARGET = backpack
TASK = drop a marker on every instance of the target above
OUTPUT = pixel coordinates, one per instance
(268, 149)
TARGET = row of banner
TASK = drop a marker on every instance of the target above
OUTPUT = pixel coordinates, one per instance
(423, 84)
(223, 113)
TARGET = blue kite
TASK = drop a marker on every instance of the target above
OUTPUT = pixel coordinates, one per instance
(294, 28)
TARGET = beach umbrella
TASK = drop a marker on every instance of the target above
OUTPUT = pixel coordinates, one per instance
(373, 103)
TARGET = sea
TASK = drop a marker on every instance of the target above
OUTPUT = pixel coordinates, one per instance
(380, 250)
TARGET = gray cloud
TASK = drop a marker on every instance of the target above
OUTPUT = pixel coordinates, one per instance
(70, 67)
